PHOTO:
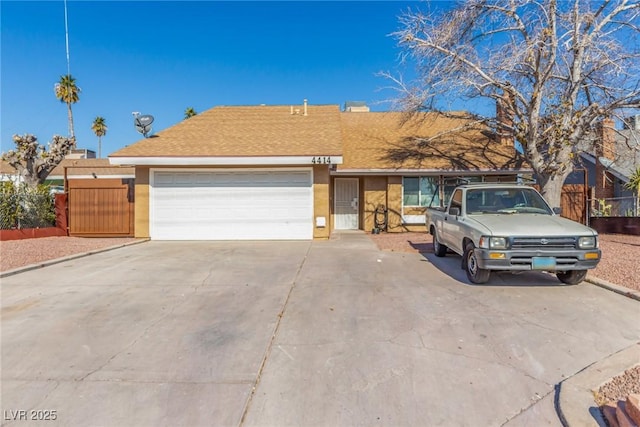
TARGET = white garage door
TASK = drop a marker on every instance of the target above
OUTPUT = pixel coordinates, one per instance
(231, 205)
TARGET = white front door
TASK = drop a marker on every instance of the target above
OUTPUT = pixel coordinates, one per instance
(346, 203)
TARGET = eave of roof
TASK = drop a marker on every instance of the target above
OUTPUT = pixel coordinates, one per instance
(228, 160)
(433, 171)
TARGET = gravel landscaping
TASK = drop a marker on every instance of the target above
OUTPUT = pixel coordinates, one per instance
(20, 253)
(619, 387)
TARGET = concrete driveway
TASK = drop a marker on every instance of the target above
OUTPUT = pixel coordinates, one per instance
(294, 333)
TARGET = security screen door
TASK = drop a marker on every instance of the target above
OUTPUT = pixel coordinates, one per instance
(346, 203)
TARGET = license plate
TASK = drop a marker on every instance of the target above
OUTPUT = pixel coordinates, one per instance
(543, 263)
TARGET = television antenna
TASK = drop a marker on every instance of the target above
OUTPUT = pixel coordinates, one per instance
(66, 37)
(142, 123)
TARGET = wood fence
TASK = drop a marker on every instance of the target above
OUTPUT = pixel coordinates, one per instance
(101, 207)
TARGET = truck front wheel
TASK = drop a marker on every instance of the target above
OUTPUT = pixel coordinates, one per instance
(439, 249)
(572, 277)
(475, 274)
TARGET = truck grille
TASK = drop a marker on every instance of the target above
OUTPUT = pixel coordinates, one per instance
(543, 242)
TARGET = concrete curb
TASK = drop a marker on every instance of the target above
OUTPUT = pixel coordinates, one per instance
(615, 288)
(575, 402)
(67, 258)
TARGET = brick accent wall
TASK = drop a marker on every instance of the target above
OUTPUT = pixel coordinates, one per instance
(605, 147)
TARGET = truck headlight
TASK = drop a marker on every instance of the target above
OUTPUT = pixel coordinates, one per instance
(587, 242)
(493, 242)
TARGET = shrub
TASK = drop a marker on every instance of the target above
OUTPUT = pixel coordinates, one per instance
(26, 207)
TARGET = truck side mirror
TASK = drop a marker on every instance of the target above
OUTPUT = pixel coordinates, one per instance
(557, 210)
(454, 211)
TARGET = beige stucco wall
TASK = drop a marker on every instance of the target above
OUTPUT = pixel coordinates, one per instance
(142, 202)
(321, 201)
(394, 203)
(375, 194)
(386, 191)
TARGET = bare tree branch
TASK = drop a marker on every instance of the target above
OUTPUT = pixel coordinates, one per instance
(560, 66)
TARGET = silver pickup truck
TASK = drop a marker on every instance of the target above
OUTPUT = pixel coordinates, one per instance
(511, 227)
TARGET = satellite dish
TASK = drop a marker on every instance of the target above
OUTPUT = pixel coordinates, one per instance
(144, 120)
(143, 124)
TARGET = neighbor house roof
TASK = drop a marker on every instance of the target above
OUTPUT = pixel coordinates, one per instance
(244, 131)
(6, 168)
(90, 168)
(626, 158)
(387, 141)
(80, 168)
(627, 152)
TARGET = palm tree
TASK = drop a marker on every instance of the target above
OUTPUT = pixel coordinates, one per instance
(634, 184)
(99, 127)
(189, 112)
(68, 92)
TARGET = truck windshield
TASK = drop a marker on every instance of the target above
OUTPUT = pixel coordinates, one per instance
(505, 201)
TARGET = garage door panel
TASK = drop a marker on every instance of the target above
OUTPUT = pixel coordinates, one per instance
(208, 205)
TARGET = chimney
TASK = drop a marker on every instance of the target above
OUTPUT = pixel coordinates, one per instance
(606, 139)
(356, 107)
(504, 119)
(605, 151)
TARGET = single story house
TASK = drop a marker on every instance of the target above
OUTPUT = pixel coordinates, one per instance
(300, 172)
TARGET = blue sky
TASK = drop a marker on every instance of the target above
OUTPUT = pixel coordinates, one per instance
(160, 57)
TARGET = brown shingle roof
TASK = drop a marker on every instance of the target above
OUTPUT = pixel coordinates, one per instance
(247, 131)
(381, 141)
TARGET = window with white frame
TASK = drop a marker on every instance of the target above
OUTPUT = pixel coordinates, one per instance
(420, 191)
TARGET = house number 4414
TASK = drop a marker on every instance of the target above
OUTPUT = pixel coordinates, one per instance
(321, 160)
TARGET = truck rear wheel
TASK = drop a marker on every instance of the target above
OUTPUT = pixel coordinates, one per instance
(475, 274)
(572, 277)
(439, 249)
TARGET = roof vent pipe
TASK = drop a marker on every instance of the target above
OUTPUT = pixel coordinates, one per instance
(305, 106)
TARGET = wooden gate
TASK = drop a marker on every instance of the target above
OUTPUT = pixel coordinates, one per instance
(574, 202)
(101, 207)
